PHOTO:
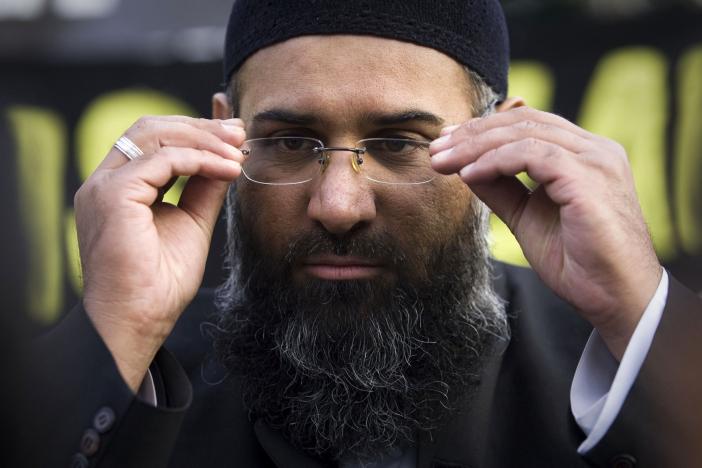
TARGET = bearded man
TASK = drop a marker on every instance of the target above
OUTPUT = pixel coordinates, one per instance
(362, 322)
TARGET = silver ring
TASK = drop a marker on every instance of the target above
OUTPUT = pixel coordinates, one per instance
(128, 148)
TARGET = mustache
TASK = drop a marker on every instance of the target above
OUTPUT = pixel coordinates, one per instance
(378, 245)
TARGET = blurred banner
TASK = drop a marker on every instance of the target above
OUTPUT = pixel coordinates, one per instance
(72, 80)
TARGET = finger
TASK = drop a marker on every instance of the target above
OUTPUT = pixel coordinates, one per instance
(220, 127)
(449, 129)
(202, 199)
(182, 118)
(469, 148)
(544, 162)
(505, 196)
(507, 118)
(144, 177)
(152, 133)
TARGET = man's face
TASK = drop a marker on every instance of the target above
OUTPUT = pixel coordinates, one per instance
(341, 89)
(355, 312)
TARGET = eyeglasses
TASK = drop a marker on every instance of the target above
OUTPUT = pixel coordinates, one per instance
(292, 160)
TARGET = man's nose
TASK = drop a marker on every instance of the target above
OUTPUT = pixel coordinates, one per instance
(341, 197)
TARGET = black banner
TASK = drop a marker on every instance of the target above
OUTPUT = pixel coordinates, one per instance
(637, 80)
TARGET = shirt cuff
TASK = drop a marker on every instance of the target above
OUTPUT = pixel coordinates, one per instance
(147, 390)
(600, 384)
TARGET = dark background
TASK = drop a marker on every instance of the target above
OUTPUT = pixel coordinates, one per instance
(60, 58)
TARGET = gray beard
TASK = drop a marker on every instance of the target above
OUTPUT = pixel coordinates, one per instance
(349, 370)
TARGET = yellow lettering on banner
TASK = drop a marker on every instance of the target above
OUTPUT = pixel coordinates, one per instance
(41, 157)
(688, 151)
(535, 83)
(627, 101)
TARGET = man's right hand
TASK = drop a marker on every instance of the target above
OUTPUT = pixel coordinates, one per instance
(143, 260)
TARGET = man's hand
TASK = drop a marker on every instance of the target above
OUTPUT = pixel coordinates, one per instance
(582, 229)
(142, 259)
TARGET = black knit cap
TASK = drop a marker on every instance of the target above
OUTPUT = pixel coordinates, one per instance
(473, 32)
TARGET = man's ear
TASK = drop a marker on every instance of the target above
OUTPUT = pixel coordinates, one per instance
(511, 103)
(220, 107)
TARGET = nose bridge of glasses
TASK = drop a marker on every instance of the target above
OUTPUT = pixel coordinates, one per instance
(356, 155)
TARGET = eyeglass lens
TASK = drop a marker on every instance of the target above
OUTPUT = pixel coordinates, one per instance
(295, 160)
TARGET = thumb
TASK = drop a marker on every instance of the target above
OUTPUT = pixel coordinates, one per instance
(202, 199)
(505, 196)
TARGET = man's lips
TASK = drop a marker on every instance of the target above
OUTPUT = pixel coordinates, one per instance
(338, 268)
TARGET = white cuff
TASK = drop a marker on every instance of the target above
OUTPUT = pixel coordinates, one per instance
(600, 384)
(147, 390)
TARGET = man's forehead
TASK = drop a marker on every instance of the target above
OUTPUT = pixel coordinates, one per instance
(314, 72)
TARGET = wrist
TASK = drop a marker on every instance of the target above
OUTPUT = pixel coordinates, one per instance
(132, 344)
(618, 325)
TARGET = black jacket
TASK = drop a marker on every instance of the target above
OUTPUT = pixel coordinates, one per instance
(519, 418)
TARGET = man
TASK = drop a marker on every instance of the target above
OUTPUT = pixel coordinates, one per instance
(362, 323)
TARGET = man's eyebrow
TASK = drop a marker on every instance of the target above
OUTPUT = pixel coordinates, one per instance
(285, 116)
(382, 119)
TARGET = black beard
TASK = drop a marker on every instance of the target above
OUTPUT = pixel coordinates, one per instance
(351, 369)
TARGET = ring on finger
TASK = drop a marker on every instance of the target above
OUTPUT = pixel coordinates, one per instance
(128, 148)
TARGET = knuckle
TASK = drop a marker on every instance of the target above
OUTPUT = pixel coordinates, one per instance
(523, 111)
(90, 192)
(79, 195)
(471, 126)
(619, 150)
(144, 124)
(612, 146)
(552, 151)
(621, 169)
(614, 162)
(528, 125)
(531, 143)
(201, 122)
(144, 121)
(493, 154)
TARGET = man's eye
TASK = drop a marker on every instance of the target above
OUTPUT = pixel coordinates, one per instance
(396, 146)
(291, 144)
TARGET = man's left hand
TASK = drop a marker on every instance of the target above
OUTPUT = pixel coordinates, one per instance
(581, 229)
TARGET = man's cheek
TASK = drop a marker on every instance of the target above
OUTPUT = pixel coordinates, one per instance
(269, 222)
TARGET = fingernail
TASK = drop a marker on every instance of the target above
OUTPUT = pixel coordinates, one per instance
(238, 123)
(466, 171)
(443, 156)
(238, 131)
(448, 130)
(439, 142)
